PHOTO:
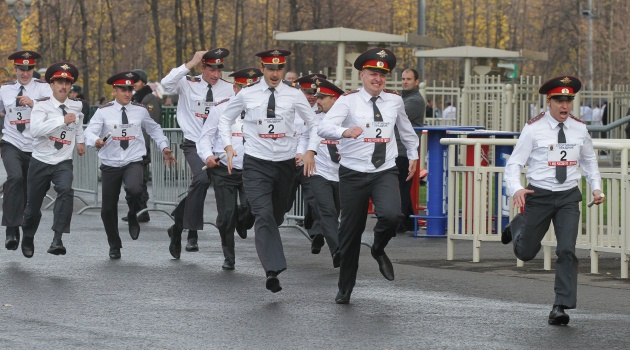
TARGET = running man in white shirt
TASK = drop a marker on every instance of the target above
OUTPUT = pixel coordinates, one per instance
(56, 126)
(197, 95)
(364, 120)
(121, 154)
(228, 187)
(16, 102)
(269, 160)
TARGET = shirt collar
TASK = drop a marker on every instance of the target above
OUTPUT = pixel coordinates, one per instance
(366, 96)
(265, 87)
(553, 123)
(56, 103)
(118, 106)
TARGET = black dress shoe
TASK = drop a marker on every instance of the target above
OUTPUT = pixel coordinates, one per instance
(13, 238)
(241, 229)
(134, 229)
(517, 223)
(144, 217)
(57, 248)
(384, 265)
(337, 259)
(114, 253)
(228, 265)
(342, 297)
(28, 247)
(192, 246)
(273, 283)
(175, 247)
(557, 316)
(317, 243)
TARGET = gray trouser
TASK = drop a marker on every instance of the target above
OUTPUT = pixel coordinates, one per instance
(189, 212)
(267, 187)
(16, 164)
(228, 190)
(326, 195)
(113, 177)
(355, 190)
(541, 208)
(311, 212)
(39, 177)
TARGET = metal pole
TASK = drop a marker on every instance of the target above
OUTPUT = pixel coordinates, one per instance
(421, 31)
(589, 48)
(19, 35)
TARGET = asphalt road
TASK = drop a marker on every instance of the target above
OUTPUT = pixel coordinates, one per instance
(147, 300)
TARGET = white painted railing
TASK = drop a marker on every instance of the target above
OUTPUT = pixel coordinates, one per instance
(478, 207)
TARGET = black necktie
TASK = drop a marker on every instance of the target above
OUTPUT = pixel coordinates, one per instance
(209, 97)
(20, 127)
(332, 149)
(271, 106)
(378, 157)
(124, 143)
(59, 145)
(561, 171)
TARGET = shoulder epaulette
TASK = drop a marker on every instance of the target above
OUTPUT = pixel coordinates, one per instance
(251, 84)
(318, 111)
(293, 85)
(226, 81)
(106, 105)
(536, 118)
(138, 104)
(222, 101)
(390, 91)
(193, 79)
(42, 99)
(40, 81)
(75, 99)
(577, 119)
(10, 83)
(350, 92)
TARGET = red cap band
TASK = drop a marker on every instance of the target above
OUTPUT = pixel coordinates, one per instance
(326, 91)
(24, 61)
(376, 64)
(561, 90)
(273, 60)
(245, 81)
(62, 75)
(123, 82)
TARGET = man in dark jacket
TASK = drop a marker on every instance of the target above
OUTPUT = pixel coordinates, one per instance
(415, 109)
(144, 95)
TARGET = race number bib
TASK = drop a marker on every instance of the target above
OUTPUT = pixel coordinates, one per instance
(378, 132)
(19, 115)
(237, 128)
(202, 108)
(64, 134)
(563, 154)
(271, 128)
(124, 132)
(329, 142)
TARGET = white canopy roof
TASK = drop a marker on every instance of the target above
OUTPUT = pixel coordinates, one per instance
(481, 52)
(332, 36)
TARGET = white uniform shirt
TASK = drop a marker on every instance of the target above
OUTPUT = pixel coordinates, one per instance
(533, 149)
(210, 142)
(586, 113)
(450, 112)
(597, 116)
(35, 89)
(324, 166)
(192, 92)
(108, 118)
(302, 133)
(356, 109)
(254, 99)
(47, 125)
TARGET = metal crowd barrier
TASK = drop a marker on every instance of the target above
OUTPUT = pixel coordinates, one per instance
(478, 208)
(85, 176)
(297, 213)
(169, 184)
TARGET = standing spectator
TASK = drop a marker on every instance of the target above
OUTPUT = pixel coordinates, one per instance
(450, 112)
(291, 77)
(429, 110)
(17, 101)
(144, 95)
(586, 113)
(56, 129)
(364, 121)
(415, 109)
(552, 194)
(76, 93)
(196, 96)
